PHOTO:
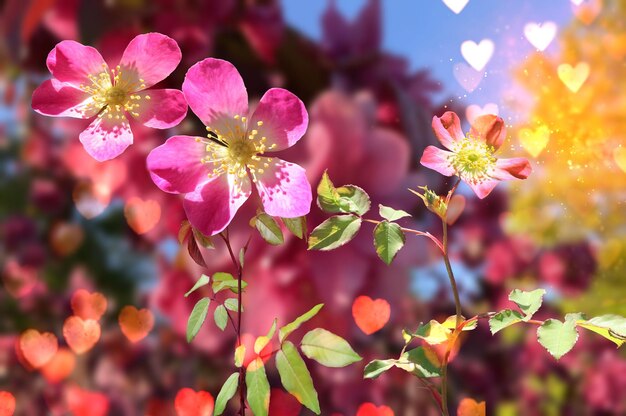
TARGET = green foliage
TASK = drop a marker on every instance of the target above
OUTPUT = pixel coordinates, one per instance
(334, 232)
(226, 393)
(258, 388)
(262, 341)
(557, 337)
(388, 240)
(419, 361)
(504, 319)
(284, 332)
(197, 317)
(433, 332)
(222, 281)
(612, 327)
(232, 304)
(345, 199)
(391, 214)
(528, 302)
(296, 377)
(269, 229)
(376, 367)
(240, 353)
(328, 349)
(221, 317)
(297, 226)
(202, 281)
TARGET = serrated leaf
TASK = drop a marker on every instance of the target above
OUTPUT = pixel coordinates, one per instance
(504, 319)
(375, 368)
(232, 304)
(297, 226)
(202, 281)
(221, 317)
(327, 196)
(240, 353)
(226, 393)
(203, 240)
(269, 229)
(334, 232)
(328, 349)
(284, 332)
(611, 327)
(420, 362)
(258, 388)
(433, 332)
(528, 302)
(262, 341)
(295, 376)
(353, 199)
(557, 337)
(391, 214)
(388, 240)
(197, 317)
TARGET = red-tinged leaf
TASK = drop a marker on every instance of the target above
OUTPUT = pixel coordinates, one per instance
(183, 232)
(194, 251)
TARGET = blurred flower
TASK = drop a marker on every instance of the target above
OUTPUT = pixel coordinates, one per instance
(213, 172)
(471, 157)
(83, 86)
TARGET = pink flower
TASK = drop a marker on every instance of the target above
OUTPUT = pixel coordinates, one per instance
(472, 157)
(214, 172)
(83, 86)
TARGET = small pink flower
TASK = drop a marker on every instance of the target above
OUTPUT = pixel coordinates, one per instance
(83, 86)
(214, 172)
(472, 157)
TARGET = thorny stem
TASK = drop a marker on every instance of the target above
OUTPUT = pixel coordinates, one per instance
(242, 371)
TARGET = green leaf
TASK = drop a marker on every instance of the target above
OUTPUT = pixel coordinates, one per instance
(240, 353)
(258, 388)
(504, 319)
(328, 349)
(226, 393)
(528, 302)
(297, 226)
(262, 341)
(284, 332)
(296, 377)
(232, 304)
(388, 240)
(222, 281)
(197, 317)
(345, 199)
(334, 232)
(611, 327)
(269, 229)
(433, 332)
(327, 196)
(375, 368)
(557, 337)
(202, 281)
(420, 362)
(391, 214)
(466, 325)
(221, 317)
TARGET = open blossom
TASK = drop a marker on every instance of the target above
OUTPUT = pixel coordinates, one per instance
(83, 86)
(215, 172)
(472, 157)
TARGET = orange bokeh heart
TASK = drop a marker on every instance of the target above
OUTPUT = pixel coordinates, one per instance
(7, 403)
(81, 335)
(66, 238)
(469, 407)
(370, 409)
(142, 216)
(37, 348)
(60, 366)
(135, 324)
(86, 403)
(191, 403)
(88, 305)
(588, 11)
(370, 315)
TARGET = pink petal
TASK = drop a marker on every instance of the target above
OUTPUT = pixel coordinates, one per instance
(106, 138)
(57, 99)
(284, 189)
(437, 159)
(489, 128)
(215, 92)
(483, 189)
(214, 203)
(175, 166)
(507, 169)
(164, 109)
(150, 57)
(447, 128)
(71, 62)
(284, 118)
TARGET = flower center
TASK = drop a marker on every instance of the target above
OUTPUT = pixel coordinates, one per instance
(235, 149)
(473, 160)
(113, 94)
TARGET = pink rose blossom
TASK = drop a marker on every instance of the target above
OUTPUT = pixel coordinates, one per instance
(83, 86)
(472, 157)
(214, 172)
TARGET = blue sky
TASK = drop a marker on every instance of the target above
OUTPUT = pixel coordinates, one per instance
(429, 35)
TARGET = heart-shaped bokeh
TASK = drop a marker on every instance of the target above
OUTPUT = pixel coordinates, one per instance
(370, 409)
(573, 76)
(37, 348)
(135, 324)
(142, 216)
(193, 403)
(370, 315)
(469, 407)
(534, 141)
(60, 366)
(81, 335)
(7, 403)
(88, 305)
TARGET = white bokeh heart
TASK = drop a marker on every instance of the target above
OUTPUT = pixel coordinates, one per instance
(540, 35)
(472, 112)
(456, 5)
(477, 54)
